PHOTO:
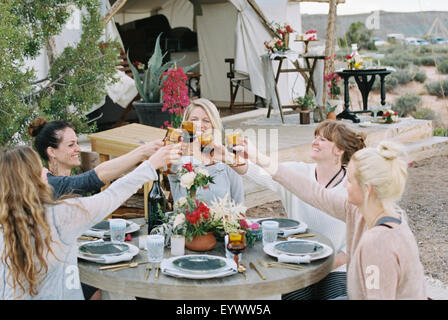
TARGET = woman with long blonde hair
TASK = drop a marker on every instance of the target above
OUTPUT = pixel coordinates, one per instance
(206, 117)
(38, 234)
(382, 254)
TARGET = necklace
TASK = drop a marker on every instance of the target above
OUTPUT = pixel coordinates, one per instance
(334, 177)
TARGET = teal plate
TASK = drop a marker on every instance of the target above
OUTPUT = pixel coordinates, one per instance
(299, 247)
(96, 249)
(200, 264)
(104, 225)
(283, 223)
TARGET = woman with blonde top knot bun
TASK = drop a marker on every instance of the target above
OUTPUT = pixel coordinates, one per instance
(382, 254)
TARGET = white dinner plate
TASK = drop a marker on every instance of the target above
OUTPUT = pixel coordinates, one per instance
(192, 269)
(131, 227)
(271, 251)
(108, 259)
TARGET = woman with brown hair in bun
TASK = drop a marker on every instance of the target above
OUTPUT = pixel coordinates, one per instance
(57, 144)
(333, 145)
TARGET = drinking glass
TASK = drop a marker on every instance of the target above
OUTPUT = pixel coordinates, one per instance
(173, 136)
(188, 134)
(206, 140)
(177, 245)
(270, 231)
(237, 244)
(154, 247)
(117, 229)
(234, 140)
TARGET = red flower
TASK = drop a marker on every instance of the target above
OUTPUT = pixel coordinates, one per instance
(387, 114)
(348, 57)
(244, 224)
(311, 31)
(289, 29)
(188, 166)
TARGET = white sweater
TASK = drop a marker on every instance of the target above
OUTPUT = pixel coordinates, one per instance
(334, 229)
(67, 223)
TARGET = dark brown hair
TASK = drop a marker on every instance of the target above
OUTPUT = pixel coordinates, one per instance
(46, 134)
(342, 136)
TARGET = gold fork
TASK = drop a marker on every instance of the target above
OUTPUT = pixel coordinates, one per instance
(148, 269)
(279, 265)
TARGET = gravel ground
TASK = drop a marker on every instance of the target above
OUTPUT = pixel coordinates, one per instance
(426, 204)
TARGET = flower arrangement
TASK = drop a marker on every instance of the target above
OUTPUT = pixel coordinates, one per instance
(192, 178)
(354, 62)
(232, 218)
(175, 95)
(192, 217)
(310, 35)
(333, 80)
(389, 116)
(280, 43)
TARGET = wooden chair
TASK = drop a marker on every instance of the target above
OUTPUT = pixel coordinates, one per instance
(237, 80)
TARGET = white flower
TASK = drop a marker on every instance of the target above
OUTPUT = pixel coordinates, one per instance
(202, 171)
(178, 220)
(181, 201)
(187, 180)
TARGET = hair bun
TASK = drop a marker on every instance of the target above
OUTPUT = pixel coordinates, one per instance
(389, 150)
(36, 126)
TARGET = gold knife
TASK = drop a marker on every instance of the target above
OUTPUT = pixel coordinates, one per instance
(252, 266)
(124, 265)
(156, 277)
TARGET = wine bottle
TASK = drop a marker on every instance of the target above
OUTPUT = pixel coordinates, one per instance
(156, 205)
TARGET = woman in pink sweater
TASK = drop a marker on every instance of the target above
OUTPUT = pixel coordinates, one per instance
(382, 254)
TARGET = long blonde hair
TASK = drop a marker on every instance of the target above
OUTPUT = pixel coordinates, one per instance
(26, 233)
(385, 169)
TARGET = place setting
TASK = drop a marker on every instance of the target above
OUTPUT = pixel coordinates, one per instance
(102, 229)
(111, 247)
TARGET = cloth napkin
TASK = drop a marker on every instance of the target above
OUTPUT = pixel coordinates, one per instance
(114, 259)
(92, 233)
(288, 232)
(294, 259)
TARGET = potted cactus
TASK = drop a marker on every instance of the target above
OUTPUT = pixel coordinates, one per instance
(149, 85)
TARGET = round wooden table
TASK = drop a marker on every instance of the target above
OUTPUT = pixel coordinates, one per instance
(278, 281)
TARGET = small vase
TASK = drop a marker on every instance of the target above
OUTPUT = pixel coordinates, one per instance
(202, 243)
(286, 41)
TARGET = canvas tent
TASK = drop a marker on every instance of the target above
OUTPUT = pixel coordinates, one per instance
(225, 29)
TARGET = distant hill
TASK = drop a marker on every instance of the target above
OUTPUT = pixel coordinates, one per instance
(413, 24)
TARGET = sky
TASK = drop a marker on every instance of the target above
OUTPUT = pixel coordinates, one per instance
(366, 6)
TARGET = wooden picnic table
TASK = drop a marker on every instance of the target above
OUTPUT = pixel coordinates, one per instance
(118, 141)
(130, 281)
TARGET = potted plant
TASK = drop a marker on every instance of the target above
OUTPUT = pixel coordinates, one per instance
(149, 85)
(330, 111)
(306, 105)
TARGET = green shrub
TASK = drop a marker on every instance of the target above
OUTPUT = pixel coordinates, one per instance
(424, 113)
(428, 61)
(406, 104)
(442, 132)
(420, 76)
(443, 67)
(403, 76)
(437, 88)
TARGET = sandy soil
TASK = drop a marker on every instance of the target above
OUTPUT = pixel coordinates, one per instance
(426, 204)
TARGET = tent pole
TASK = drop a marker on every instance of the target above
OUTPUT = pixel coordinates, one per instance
(264, 20)
(330, 43)
(113, 10)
